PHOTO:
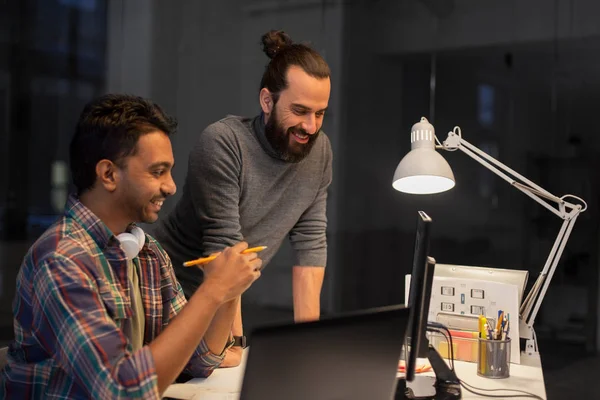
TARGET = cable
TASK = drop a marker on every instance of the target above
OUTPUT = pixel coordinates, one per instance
(449, 341)
(437, 325)
(440, 328)
(501, 396)
(448, 338)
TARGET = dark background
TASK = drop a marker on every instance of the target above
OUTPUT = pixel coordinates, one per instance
(521, 79)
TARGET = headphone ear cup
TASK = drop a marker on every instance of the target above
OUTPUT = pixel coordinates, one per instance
(130, 245)
(132, 242)
(140, 236)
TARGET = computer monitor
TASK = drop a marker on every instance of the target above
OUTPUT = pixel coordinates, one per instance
(419, 296)
(349, 356)
(445, 384)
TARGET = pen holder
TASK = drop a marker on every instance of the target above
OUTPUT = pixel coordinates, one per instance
(493, 359)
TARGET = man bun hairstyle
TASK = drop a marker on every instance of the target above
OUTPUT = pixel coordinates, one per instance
(284, 53)
(275, 41)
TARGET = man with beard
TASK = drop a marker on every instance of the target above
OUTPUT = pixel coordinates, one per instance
(261, 179)
(98, 312)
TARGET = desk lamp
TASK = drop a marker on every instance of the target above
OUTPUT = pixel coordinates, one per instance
(424, 171)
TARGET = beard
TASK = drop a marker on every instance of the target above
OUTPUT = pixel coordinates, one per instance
(140, 212)
(136, 203)
(279, 139)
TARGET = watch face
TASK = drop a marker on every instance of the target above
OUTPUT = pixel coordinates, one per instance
(239, 341)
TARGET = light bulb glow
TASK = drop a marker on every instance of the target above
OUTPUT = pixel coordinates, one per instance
(423, 184)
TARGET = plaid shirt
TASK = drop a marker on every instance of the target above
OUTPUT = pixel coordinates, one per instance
(73, 314)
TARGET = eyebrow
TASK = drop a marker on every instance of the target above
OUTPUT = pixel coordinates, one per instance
(304, 108)
(164, 164)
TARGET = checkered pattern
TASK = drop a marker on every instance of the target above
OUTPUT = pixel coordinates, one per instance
(73, 313)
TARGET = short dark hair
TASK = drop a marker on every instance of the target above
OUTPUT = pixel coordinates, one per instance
(284, 53)
(108, 129)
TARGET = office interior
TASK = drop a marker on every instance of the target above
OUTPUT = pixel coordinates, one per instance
(521, 79)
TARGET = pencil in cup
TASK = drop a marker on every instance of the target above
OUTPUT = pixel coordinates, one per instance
(494, 358)
(205, 260)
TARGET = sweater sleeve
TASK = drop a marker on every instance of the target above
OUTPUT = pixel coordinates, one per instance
(308, 237)
(214, 169)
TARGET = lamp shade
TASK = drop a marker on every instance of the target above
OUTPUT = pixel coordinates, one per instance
(423, 170)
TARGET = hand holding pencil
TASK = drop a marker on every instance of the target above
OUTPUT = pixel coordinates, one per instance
(204, 260)
(231, 272)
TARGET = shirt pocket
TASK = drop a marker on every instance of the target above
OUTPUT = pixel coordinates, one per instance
(117, 305)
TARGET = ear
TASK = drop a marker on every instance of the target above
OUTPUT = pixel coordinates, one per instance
(107, 174)
(266, 101)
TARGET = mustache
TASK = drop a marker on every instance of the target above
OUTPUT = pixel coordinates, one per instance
(294, 129)
(302, 131)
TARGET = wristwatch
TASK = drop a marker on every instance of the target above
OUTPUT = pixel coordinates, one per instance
(240, 341)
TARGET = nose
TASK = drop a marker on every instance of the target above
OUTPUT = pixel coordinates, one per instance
(310, 124)
(169, 188)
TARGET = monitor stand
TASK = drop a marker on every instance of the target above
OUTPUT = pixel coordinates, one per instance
(444, 386)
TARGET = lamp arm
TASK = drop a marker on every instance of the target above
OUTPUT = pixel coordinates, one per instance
(567, 211)
(531, 305)
(454, 141)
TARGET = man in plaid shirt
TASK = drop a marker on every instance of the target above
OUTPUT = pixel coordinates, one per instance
(92, 321)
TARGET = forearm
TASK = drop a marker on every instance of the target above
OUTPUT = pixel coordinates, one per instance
(238, 327)
(219, 330)
(233, 356)
(306, 288)
(173, 348)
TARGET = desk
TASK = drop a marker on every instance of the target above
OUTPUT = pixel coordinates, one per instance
(527, 376)
(225, 383)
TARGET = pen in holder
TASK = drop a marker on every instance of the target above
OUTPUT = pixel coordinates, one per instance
(493, 358)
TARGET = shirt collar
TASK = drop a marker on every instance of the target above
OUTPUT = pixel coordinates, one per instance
(258, 126)
(88, 221)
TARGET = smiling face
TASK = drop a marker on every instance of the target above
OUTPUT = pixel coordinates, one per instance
(294, 121)
(145, 180)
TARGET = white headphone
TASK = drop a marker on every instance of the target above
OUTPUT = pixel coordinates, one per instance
(132, 242)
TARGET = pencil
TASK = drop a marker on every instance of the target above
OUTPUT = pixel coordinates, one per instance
(204, 260)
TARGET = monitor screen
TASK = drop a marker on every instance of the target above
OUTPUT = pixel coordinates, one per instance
(419, 296)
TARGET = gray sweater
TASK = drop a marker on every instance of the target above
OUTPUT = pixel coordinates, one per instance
(237, 188)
